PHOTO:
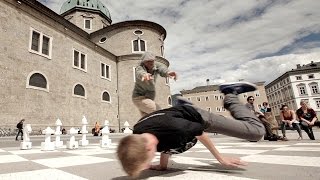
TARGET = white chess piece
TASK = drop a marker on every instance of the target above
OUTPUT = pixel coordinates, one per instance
(126, 129)
(47, 145)
(26, 144)
(84, 132)
(58, 143)
(72, 144)
(106, 141)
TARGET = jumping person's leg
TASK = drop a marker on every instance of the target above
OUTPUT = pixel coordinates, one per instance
(145, 105)
(245, 124)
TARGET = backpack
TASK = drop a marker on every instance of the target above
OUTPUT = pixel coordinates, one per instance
(19, 125)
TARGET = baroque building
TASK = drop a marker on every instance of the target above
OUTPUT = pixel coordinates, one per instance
(72, 64)
(301, 83)
(210, 98)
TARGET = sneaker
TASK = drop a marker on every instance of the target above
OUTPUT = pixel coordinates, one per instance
(182, 101)
(285, 139)
(237, 88)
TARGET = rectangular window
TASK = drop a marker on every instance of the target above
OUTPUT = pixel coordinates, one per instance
(35, 41)
(207, 98)
(257, 93)
(198, 98)
(310, 76)
(218, 109)
(317, 103)
(79, 60)
(209, 109)
(314, 89)
(40, 44)
(105, 71)
(216, 97)
(302, 90)
(87, 23)
(299, 77)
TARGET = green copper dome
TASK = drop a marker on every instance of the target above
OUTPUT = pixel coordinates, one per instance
(85, 4)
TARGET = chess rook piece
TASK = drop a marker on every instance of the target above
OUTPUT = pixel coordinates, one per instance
(106, 141)
(26, 144)
(47, 145)
(84, 132)
(57, 142)
(72, 143)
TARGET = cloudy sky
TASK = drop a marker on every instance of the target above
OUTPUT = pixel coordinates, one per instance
(227, 40)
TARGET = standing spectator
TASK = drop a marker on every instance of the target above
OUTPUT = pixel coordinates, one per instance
(144, 89)
(308, 118)
(288, 118)
(20, 127)
(269, 134)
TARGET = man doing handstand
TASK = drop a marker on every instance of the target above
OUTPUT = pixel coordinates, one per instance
(177, 129)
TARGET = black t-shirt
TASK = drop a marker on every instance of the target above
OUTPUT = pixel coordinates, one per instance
(175, 128)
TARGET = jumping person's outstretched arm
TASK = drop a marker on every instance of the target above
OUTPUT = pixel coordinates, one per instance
(226, 161)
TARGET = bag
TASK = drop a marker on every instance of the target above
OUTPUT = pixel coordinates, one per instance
(19, 125)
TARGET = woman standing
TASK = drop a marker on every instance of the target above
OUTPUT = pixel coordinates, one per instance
(308, 118)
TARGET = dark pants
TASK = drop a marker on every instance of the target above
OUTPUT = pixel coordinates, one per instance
(308, 129)
(294, 125)
(19, 131)
(244, 123)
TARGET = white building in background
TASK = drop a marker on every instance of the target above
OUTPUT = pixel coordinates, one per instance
(293, 86)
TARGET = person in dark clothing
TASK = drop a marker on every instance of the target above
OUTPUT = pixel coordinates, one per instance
(20, 127)
(177, 129)
(269, 134)
(308, 119)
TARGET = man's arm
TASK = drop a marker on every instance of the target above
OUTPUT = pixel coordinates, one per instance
(164, 159)
(226, 161)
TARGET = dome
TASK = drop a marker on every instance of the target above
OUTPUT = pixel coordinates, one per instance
(85, 4)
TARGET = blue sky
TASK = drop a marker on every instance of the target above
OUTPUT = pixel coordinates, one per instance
(227, 40)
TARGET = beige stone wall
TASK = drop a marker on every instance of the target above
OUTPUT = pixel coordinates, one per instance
(213, 103)
(119, 41)
(40, 107)
(77, 18)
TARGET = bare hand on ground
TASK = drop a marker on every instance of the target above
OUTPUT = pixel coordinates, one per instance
(232, 162)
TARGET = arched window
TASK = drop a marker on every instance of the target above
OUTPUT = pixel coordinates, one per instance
(38, 80)
(138, 45)
(105, 96)
(79, 90)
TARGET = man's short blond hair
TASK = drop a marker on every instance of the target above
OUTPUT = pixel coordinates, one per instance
(132, 153)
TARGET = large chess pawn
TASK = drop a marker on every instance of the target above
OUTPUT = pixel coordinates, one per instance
(26, 144)
(47, 145)
(106, 141)
(72, 143)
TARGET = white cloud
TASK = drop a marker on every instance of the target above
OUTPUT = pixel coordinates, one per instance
(220, 40)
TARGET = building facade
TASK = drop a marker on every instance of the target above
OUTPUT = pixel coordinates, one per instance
(77, 63)
(293, 86)
(210, 98)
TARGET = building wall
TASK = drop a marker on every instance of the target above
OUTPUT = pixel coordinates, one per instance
(77, 18)
(309, 96)
(39, 107)
(119, 41)
(214, 99)
(285, 91)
